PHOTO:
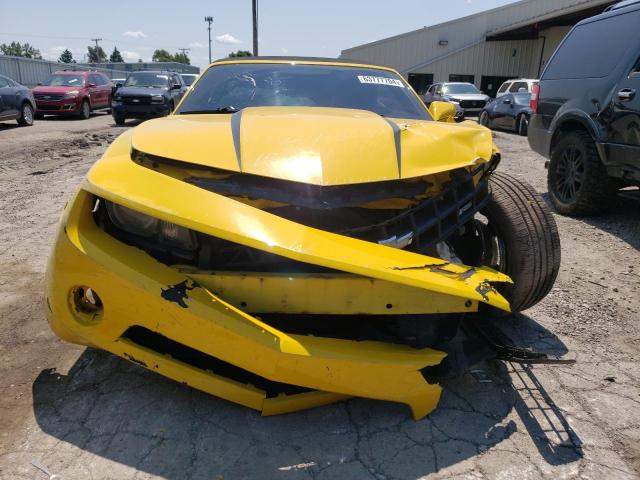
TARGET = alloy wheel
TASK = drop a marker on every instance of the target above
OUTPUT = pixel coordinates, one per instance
(569, 174)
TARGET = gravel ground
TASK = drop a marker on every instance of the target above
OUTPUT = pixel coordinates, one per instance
(84, 414)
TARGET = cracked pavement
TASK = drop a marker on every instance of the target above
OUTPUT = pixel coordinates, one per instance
(85, 414)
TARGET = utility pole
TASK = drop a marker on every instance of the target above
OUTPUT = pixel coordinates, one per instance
(184, 50)
(255, 27)
(209, 20)
(96, 40)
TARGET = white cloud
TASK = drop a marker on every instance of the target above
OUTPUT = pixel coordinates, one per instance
(128, 55)
(136, 34)
(227, 39)
(284, 50)
(196, 45)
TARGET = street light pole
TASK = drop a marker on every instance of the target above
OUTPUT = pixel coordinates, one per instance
(209, 20)
(255, 27)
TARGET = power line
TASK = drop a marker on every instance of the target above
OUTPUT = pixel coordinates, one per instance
(184, 51)
(96, 40)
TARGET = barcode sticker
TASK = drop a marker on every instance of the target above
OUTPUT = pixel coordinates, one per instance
(392, 82)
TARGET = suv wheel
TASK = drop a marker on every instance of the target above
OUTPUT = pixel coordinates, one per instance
(26, 115)
(523, 125)
(578, 182)
(484, 120)
(119, 119)
(85, 110)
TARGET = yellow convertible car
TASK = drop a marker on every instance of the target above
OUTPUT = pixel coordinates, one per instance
(298, 231)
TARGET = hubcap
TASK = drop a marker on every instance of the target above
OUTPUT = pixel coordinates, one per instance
(569, 174)
(27, 114)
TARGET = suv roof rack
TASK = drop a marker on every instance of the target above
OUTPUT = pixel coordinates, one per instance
(623, 4)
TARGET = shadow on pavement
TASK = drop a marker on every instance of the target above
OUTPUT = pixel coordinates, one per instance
(125, 414)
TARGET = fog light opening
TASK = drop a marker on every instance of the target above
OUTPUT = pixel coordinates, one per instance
(87, 300)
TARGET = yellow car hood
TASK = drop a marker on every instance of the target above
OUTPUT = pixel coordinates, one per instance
(320, 146)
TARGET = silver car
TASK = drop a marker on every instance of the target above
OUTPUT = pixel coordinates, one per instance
(466, 95)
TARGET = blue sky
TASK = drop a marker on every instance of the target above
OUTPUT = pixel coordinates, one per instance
(287, 27)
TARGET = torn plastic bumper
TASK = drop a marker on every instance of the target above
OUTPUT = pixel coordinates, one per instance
(176, 322)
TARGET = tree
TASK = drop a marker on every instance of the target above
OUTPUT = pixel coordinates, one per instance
(182, 58)
(97, 54)
(18, 49)
(66, 57)
(240, 53)
(115, 56)
(161, 55)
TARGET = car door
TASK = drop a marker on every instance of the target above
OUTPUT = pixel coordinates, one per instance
(94, 91)
(105, 89)
(8, 99)
(625, 118)
(503, 111)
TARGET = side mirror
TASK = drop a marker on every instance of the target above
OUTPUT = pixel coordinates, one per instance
(39, 83)
(91, 85)
(176, 86)
(119, 84)
(442, 111)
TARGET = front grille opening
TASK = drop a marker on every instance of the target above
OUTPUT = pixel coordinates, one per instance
(165, 346)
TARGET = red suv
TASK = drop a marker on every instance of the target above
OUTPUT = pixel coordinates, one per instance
(73, 93)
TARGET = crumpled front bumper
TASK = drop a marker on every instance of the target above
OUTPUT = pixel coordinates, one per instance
(137, 291)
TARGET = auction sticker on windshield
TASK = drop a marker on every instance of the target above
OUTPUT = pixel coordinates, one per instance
(380, 81)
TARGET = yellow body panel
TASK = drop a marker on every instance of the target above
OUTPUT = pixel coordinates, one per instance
(311, 145)
(325, 294)
(130, 284)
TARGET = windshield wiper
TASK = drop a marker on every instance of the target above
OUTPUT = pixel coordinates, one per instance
(227, 109)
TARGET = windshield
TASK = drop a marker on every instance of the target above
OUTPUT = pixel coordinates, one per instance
(146, 79)
(64, 81)
(459, 88)
(229, 88)
(188, 79)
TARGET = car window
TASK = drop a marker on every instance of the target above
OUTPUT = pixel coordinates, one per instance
(3, 82)
(64, 80)
(439, 90)
(94, 79)
(593, 50)
(504, 87)
(635, 71)
(147, 79)
(523, 99)
(516, 86)
(236, 86)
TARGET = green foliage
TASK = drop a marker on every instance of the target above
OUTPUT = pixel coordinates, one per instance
(97, 54)
(115, 56)
(241, 53)
(182, 58)
(161, 55)
(66, 57)
(18, 49)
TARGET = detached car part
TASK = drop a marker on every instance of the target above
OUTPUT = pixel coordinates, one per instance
(296, 233)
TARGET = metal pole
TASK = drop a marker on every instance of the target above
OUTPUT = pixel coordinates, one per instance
(255, 27)
(209, 20)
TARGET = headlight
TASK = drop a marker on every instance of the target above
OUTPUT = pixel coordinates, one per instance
(71, 94)
(152, 228)
(157, 99)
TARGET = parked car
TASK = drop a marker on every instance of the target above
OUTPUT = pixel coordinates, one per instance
(519, 85)
(467, 95)
(189, 78)
(147, 93)
(253, 243)
(16, 102)
(586, 108)
(70, 92)
(510, 111)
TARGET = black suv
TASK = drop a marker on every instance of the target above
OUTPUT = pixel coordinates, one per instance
(147, 93)
(587, 111)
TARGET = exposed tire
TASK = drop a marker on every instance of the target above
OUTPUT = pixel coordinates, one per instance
(85, 110)
(530, 245)
(578, 182)
(484, 120)
(523, 125)
(119, 119)
(26, 115)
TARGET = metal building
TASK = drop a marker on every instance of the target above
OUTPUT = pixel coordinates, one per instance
(513, 41)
